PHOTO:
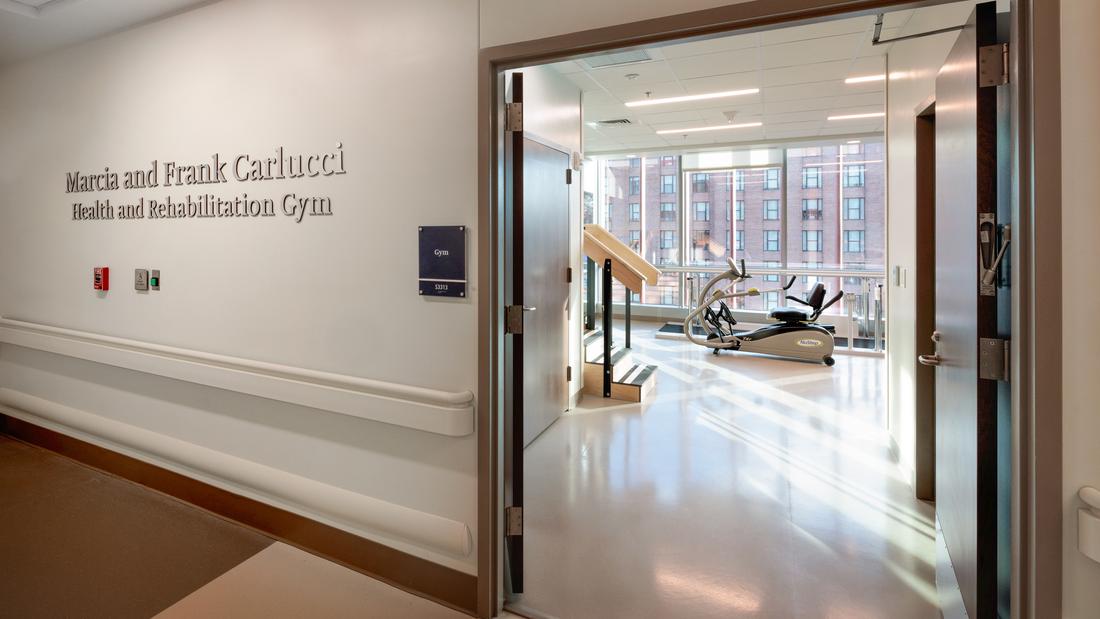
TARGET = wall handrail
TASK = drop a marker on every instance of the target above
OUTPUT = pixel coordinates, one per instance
(326, 390)
(1090, 496)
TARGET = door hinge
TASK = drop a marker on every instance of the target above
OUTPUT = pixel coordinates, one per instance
(568, 176)
(576, 161)
(568, 373)
(513, 116)
(994, 360)
(569, 275)
(993, 65)
(513, 319)
(513, 521)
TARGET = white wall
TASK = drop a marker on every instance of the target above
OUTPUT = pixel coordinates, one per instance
(913, 65)
(1081, 301)
(396, 84)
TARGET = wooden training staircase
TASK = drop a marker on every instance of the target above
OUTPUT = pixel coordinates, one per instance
(609, 369)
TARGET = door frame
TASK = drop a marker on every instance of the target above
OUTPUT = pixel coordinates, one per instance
(1036, 249)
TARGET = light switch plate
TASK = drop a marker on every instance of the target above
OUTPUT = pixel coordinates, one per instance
(141, 279)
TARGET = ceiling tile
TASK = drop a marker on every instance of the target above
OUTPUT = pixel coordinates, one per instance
(720, 63)
(710, 46)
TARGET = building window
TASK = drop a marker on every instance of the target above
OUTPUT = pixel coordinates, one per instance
(668, 160)
(771, 277)
(668, 183)
(635, 185)
(699, 182)
(668, 239)
(739, 180)
(636, 240)
(668, 297)
(635, 212)
(700, 245)
(635, 162)
(855, 175)
(668, 211)
(811, 209)
(739, 210)
(771, 209)
(739, 240)
(811, 178)
(771, 300)
(771, 240)
(702, 211)
(771, 178)
(811, 240)
(853, 208)
(853, 149)
(853, 241)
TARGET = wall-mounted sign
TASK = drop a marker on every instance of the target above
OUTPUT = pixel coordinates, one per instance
(443, 261)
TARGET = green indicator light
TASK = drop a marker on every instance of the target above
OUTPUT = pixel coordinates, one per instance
(153, 281)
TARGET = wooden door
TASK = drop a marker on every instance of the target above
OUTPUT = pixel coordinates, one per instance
(966, 404)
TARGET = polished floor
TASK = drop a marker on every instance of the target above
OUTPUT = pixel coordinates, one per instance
(746, 487)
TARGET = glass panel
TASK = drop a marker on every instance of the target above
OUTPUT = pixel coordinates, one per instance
(864, 203)
(666, 292)
(712, 219)
(756, 200)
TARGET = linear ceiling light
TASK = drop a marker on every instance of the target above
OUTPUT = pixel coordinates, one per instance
(712, 128)
(709, 95)
(854, 116)
(865, 78)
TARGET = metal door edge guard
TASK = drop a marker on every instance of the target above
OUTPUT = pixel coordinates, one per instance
(356, 513)
(420, 408)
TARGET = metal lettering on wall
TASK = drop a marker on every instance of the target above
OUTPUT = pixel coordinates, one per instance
(443, 261)
(243, 168)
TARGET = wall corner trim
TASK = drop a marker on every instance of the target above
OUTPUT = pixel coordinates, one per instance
(420, 408)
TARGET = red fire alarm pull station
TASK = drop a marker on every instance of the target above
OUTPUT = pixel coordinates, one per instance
(102, 278)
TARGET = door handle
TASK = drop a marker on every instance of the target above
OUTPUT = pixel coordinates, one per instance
(933, 359)
(529, 309)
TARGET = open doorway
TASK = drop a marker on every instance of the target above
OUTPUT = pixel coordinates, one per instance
(677, 481)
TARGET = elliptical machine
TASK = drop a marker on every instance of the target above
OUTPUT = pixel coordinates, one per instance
(796, 336)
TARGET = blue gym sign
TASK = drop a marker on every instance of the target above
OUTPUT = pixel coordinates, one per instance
(443, 261)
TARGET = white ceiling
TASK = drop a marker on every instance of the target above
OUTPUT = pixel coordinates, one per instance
(800, 72)
(32, 27)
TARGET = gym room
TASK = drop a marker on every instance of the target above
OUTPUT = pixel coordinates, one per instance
(715, 360)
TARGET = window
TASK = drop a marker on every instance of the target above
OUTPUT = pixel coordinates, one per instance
(699, 182)
(668, 239)
(740, 210)
(739, 180)
(635, 185)
(635, 162)
(771, 209)
(700, 245)
(771, 178)
(853, 208)
(811, 178)
(811, 209)
(771, 277)
(702, 211)
(811, 240)
(855, 175)
(636, 240)
(771, 240)
(853, 241)
(739, 240)
(668, 297)
(667, 160)
(668, 211)
(771, 299)
(635, 211)
(853, 149)
(668, 183)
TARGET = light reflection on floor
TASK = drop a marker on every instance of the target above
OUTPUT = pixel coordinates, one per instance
(746, 487)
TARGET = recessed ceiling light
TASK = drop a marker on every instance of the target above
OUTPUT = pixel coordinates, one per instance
(711, 128)
(709, 95)
(854, 116)
(865, 78)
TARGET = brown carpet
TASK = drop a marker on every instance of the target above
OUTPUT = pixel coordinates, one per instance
(75, 542)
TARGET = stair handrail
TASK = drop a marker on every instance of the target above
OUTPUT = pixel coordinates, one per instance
(622, 253)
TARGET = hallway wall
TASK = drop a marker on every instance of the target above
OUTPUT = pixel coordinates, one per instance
(1080, 255)
(331, 294)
